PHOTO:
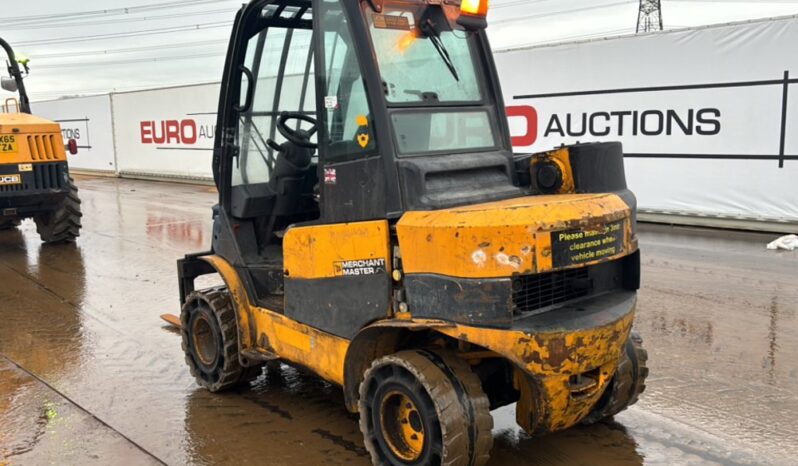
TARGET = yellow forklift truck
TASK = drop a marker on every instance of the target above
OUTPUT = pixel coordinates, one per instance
(375, 228)
(34, 176)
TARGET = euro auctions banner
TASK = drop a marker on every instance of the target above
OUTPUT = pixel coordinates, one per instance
(708, 117)
(166, 132)
(88, 121)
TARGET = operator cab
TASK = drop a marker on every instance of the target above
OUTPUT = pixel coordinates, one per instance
(336, 111)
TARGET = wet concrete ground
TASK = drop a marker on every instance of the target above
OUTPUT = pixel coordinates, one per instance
(89, 375)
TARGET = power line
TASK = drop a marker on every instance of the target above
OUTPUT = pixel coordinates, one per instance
(268, 51)
(114, 21)
(564, 12)
(145, 48)
(110, 12)
(516, 3)
(167, 59)
(86, 92)
(116, 35)
(570, 38)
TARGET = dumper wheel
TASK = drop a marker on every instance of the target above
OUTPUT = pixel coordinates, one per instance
(626, 385)
(62, 224)
(210, 341)
(9, 223)
(415, 411)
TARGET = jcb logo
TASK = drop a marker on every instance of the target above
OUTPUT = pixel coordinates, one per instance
(10, 179)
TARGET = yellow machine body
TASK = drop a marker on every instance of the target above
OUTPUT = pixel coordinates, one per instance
(26, 138)
(498, 239)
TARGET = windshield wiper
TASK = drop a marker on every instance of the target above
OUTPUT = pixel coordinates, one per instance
(433, 35)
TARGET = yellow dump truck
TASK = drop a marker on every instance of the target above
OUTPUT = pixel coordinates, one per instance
(34, 174)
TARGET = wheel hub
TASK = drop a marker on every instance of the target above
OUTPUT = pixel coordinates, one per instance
(401, 426)
(205, 344)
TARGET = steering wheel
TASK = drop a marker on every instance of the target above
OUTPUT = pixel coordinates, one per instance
(300, 137)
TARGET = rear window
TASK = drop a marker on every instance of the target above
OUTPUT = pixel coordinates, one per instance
(423, 132)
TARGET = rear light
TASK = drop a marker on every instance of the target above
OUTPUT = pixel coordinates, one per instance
(72, 146)
(474, 7)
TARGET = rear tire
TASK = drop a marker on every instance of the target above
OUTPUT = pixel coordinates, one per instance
(626, 385)
(415, 410)
(9, 223)
(62, 224)
(210, 341)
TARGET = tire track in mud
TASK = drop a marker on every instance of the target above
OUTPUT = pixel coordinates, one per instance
(120, 358)
(717, 337)
(167, 383)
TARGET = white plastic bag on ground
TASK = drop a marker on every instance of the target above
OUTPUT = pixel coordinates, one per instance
(789, 243)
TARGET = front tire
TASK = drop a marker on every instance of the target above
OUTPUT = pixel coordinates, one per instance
(414, 411)
(474, 399)
(62, 224)
(210, 341)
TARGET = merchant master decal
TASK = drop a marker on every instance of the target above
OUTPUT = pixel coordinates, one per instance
(359, 267)
(579, 246)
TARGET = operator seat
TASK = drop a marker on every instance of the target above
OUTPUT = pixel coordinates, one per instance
(291, 168)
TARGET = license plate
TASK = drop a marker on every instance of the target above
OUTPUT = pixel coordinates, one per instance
(582, 245)
(8, 144)
(10, 179)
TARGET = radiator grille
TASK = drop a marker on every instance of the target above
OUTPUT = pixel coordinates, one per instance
(533, 292)
(44, 177)
(12, 188)
(48, 176)
(42, 147)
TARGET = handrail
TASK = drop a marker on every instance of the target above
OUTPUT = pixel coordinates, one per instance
(24, 102)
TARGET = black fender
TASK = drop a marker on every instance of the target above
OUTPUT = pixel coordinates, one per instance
(380, 339)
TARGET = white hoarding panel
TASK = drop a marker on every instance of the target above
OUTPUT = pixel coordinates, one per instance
(166, 132)
(708, 117)
(88, 121)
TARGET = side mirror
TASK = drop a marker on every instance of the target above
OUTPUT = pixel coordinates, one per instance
(9, 84)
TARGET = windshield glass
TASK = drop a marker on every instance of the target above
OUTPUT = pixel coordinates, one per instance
(421, 58)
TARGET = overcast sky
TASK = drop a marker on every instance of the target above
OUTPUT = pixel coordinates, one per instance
(97, 46)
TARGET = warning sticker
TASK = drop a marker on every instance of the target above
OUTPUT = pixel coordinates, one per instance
(391, 22)
(358, 267)
(579, 246)
(331, 102)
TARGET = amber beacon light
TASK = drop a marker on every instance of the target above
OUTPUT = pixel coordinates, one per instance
(473, 14)
(474, 8)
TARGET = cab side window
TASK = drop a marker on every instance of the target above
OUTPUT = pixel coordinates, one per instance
(269, 52)
(347, 119)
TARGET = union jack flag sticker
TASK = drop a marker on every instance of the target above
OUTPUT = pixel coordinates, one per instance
(330, 176)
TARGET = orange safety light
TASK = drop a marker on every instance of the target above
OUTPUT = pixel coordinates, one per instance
(474, 7)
